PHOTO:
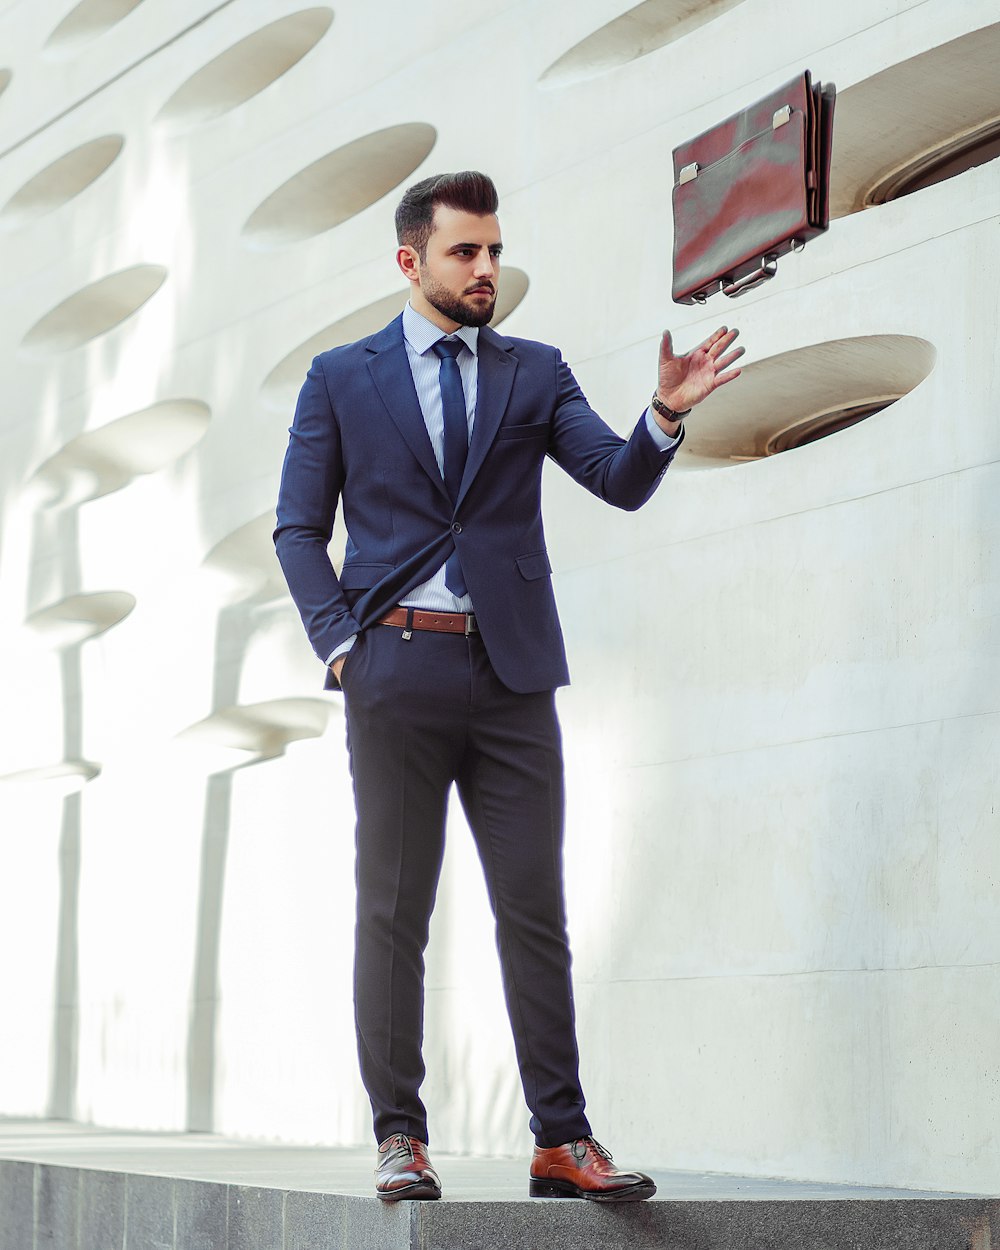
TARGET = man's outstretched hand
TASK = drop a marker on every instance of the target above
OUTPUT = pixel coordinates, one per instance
(686, 380)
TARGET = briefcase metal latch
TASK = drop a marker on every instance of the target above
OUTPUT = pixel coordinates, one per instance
(781, 117)
(688, 173)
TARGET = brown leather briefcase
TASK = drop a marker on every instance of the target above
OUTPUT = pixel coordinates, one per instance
(751, 189)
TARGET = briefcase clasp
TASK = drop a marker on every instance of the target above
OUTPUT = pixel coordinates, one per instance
(688, 173)
(781, 117)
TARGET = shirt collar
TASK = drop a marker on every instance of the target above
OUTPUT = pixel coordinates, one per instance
(422, 334)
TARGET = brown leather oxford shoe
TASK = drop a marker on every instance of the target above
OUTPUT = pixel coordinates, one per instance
(584, 1169)
(403, 1170)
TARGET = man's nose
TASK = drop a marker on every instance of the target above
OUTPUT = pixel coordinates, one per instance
(486, 265)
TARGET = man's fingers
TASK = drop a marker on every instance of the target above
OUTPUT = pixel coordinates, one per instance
(712, 339)
(718, 347)
(724, 341)
(716, 343)
(727, 360)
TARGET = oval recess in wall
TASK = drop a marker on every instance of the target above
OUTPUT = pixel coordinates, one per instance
(281, 386)
(94, 310)
(106, 459)
(245, 562)
(967, 151)
(640, 30)
(249, 733)
(61, 181)
(78, 617)
(66, 777)
(799, 396)
(88, 20)
(909, 117)
(340, 185)
(245, 69)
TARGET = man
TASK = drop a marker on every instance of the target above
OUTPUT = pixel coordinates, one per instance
(442, 631)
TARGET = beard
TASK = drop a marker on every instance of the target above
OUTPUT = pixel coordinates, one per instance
(453, 306)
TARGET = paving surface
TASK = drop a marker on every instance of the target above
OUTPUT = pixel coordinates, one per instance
(72, 1187)
(203, 1157)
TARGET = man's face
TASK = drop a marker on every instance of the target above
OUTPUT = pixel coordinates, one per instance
(457, 278)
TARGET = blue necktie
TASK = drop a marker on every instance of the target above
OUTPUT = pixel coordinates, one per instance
(456, 442)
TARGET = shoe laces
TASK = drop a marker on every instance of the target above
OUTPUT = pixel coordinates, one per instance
(398, 1143)
(586, 1144)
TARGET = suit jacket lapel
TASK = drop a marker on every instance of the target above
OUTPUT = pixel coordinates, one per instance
(497, 367)
(390, 371)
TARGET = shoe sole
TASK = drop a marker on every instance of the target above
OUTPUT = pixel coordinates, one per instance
(420, 1191)
(563, 1189)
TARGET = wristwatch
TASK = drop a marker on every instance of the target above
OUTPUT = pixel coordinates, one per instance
(667, 413)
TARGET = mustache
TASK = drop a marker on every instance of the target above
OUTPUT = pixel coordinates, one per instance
(480, 286)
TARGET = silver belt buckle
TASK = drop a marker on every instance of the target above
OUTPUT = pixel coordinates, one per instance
(470, 624)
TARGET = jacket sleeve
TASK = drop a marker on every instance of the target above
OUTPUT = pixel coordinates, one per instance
(311, 482)
(622, 472)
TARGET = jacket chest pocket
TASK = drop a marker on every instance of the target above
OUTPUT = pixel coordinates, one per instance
(537, 429)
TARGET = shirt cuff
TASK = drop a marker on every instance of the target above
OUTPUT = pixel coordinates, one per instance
(662, 440)
(343, 649)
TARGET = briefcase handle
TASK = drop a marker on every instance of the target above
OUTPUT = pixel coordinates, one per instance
(768, 269)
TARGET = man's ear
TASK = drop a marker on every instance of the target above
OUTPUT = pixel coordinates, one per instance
(409, 262)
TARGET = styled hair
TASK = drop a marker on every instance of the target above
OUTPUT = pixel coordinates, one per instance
(468, 191)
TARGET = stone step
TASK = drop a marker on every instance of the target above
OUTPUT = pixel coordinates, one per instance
(69, 1187)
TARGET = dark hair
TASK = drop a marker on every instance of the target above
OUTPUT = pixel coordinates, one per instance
(468, 191)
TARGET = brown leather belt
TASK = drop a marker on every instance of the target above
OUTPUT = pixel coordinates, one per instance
(409, 619)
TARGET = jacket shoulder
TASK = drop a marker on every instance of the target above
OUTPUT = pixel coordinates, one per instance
(343, 354)
(524, 349)
(352, 353)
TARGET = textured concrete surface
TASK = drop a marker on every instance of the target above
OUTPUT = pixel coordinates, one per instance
(74, 1188)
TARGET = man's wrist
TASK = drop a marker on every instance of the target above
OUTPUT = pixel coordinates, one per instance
(341, 650)
(664, 438)
(664, 410)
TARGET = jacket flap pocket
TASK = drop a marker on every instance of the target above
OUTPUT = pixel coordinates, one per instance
(534, 566)
(358, 576)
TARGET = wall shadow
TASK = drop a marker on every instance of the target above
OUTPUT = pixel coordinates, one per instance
(65, 1043)
(234, 629)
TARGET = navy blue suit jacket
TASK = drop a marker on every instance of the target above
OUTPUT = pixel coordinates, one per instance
(359, 438)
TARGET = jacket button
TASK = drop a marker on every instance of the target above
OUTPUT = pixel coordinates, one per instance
(456, 527)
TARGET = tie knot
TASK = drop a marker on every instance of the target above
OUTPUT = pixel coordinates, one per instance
(444, 347)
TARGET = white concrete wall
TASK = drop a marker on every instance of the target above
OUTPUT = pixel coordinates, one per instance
(782, 733)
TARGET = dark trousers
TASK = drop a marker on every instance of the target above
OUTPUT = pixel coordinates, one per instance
(422, 713)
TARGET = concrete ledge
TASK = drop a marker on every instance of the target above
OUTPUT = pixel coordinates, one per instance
(304, 1201)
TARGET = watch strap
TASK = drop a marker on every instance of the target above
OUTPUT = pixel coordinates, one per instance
(665, 411)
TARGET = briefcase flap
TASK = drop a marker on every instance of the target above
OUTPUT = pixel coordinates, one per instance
(751, 189)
